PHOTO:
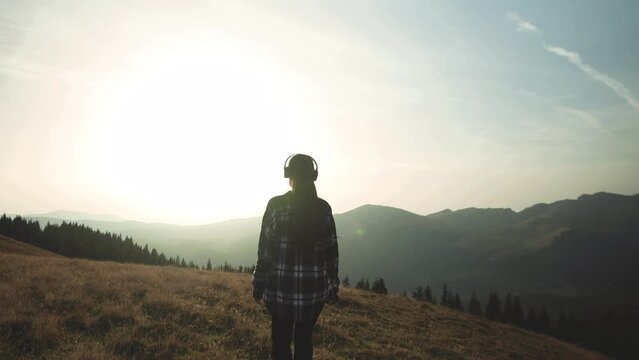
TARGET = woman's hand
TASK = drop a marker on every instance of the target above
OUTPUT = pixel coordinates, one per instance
(332, 297)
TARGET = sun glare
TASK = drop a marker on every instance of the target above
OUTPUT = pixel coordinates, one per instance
(184, 111)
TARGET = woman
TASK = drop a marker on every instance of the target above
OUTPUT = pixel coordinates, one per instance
(296, 270)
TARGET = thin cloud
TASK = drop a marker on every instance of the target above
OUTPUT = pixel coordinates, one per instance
(614, 85)
(523, 25)
(574, 58)
(590, 119)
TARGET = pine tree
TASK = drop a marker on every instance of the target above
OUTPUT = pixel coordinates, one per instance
(367, 286)
(543, 321)
(507, 315)
(474, 307)
(457, 303)
(562, 325)
(379, 286)
(146, 253)
(493, 308)
(531, 319)
(360, 284)
(227, 267)
(418, 293)
(209, 266)
(445, 297)
(346, 282)
(428, 295)
(154, 256)
(518, 312)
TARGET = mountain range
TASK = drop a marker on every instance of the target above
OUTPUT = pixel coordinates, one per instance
(570, 249)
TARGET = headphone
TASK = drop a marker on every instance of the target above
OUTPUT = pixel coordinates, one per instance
(288, 172)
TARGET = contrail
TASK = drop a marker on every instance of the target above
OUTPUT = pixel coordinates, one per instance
(614, 85)
(574, 58)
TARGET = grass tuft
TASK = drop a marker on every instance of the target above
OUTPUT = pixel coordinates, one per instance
(139, 295)
(109, 320)
(159, 310)
(129, 348)
(75, 324)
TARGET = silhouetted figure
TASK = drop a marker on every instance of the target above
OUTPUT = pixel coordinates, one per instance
(297, 260)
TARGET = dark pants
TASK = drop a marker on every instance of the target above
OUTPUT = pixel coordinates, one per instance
(282, 332)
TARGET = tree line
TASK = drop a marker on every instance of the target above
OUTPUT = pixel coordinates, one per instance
(509, 310)
(80, 241)
(75, 240)
(227, 267)
(378, 286)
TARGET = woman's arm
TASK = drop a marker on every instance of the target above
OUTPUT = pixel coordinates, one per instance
(332, 257)
(264, 256)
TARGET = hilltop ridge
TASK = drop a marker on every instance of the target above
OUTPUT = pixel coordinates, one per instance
(62, 308)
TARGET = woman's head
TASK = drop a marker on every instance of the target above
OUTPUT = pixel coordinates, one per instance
(301, 170)
(300, 167)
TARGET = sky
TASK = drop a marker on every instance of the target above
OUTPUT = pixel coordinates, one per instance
(184, 112)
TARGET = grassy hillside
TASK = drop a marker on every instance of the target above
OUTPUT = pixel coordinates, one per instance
(59, 308)
(11, 246)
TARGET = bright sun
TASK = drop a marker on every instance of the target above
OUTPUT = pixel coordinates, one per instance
(187, 109)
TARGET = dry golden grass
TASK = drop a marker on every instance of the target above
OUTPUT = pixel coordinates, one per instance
(59, 308)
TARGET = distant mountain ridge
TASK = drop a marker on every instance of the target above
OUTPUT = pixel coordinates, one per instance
(76, 216)
(556, 248)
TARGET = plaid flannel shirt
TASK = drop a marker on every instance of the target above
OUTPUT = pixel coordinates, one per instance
(294, 286)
